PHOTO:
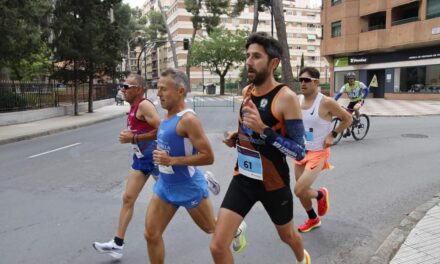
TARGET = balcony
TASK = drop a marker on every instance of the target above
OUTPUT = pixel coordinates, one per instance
(404, 21)
(372, 6)
(402, 34)
(372, 40)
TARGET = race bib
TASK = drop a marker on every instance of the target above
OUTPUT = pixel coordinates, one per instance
(166, 169)
(249, 163)
(137, 152)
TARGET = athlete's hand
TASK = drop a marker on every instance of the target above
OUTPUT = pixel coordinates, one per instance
(328, 141)
(126, 136)
(161, 157)
(230, 139)
(251, 117)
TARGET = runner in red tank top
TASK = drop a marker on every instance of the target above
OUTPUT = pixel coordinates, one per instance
(142, 123)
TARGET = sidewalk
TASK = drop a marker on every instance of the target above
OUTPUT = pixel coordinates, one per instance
(415, 240)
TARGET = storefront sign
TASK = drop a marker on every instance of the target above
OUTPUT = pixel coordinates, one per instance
(357, 60)
(404, 55)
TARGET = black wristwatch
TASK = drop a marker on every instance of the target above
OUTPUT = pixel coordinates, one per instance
(334, 134)
(266, 133)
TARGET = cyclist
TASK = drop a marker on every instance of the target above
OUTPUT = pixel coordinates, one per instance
(357, 92)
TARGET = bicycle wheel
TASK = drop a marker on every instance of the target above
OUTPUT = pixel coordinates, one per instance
(335, 123)
(360, 129)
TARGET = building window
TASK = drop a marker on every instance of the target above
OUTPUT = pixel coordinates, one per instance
(418, 79)
(376, 21)
(336, 29)
(335, 2)
(310, 48)
(432, 9)
(405, 13)
(311, 37)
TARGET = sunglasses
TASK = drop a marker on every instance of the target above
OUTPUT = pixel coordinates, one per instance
(306, 79)
(128, 86)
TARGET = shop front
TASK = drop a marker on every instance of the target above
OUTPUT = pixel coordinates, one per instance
(409, 74)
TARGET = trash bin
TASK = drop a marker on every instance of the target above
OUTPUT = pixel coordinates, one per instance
(210, 89)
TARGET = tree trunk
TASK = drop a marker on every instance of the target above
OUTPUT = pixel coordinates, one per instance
(277, 9)
(222, 84)
(75, 88)
(90, 97)
(188, 56)
(255, 22)
(170, 37)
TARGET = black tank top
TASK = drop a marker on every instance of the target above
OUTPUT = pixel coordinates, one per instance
(275, 167)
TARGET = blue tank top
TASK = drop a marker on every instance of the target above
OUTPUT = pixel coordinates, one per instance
(176, 146)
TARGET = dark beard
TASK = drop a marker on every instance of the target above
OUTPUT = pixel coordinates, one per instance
(260, 77)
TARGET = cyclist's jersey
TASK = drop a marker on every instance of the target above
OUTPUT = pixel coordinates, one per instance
(256, 159)
(137, 126)
(355, 92)
(316, 128)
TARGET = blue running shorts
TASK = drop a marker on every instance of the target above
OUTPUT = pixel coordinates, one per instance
(146, 166)
(188, 193)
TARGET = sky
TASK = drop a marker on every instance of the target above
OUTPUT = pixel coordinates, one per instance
(138, 3)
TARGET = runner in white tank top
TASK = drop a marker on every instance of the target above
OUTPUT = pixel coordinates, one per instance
(317, 113)
(316, 127)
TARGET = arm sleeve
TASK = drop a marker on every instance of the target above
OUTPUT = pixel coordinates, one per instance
(365, 89)
(341, 91)
(293, 144)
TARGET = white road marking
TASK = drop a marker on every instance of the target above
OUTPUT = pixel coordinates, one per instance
(50, 151)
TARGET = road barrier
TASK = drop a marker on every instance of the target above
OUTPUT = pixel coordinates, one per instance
(214, 101)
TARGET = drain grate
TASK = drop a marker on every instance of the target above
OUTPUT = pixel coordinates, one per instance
(414, 135)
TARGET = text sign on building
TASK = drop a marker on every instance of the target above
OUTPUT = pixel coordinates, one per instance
(357, 60)
(435, 30)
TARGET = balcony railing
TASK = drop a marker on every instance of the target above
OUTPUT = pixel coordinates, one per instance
(404, 21)
(376, 27)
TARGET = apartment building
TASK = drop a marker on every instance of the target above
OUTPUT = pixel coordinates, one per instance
(303, 28)
(398, 41)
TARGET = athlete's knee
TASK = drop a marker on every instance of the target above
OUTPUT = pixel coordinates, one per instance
(208, 228)
(128, 199)
(289, 237)
(300, 190)
(218, 248)
(151, 235)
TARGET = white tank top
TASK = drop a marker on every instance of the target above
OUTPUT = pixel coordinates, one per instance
(316, 128)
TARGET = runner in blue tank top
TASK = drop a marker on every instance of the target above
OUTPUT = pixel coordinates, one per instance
(181, 146)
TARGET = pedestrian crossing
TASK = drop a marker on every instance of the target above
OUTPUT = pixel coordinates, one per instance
(204, 99)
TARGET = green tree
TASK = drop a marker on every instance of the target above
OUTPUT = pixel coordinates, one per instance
(87, 40)
(221, 51)
(24, 29)
(302, 61)
(214, 8)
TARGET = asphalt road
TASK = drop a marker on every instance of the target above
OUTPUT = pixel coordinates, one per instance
(55, 204)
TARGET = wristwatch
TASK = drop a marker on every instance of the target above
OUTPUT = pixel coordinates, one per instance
(266, 133)
(334, 134)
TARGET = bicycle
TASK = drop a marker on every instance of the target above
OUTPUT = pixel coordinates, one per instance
(358, 128)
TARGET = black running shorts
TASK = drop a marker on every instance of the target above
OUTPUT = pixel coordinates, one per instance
(244, 192)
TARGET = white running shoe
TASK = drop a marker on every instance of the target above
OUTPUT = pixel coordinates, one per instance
(239, 243)
(110, 248)
(213, 184)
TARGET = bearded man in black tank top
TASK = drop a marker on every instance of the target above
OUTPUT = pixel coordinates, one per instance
(269, 129)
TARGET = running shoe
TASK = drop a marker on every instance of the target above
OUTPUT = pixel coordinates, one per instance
(110, 248)
(309, 225)
(213, 184)
(306, 259)
(324, 202)
(239, 243)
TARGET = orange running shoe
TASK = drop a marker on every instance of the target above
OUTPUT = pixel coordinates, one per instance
(309, 225)
(324, 202)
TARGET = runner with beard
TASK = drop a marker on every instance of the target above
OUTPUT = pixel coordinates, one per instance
(269, 129)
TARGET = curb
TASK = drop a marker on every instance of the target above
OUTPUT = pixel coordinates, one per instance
(388, 249)
(56, 130)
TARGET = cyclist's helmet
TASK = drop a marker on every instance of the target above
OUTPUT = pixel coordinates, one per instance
(350, 75)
